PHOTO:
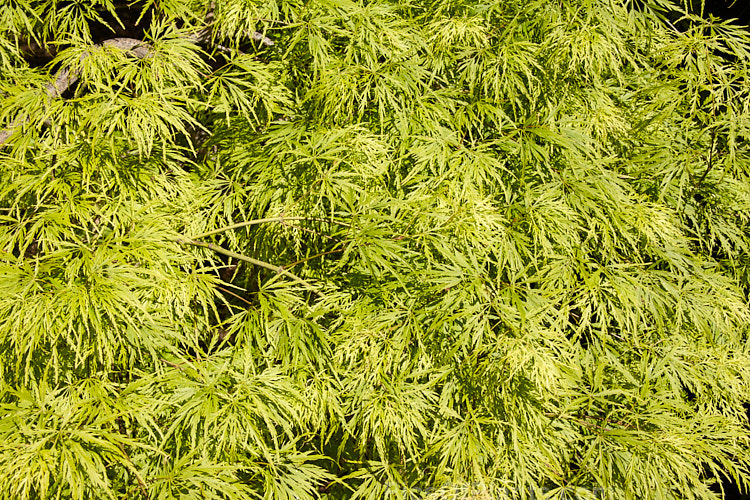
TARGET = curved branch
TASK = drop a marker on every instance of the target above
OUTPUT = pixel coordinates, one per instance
(245, 258)
(68, 76)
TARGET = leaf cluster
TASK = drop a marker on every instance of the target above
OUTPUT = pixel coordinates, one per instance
(373, 249)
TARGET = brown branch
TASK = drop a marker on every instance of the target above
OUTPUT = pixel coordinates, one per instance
(710, 158)
(256, 262)
(243, 299)
(174, 365)
(67, 76)
(141, 482)
(7, 132)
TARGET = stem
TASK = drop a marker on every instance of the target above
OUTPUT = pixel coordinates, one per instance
(173, 365)
(235, 295)
(335, 250)
(710, 158)
(141, 483)
(256, 262)
(713, 130)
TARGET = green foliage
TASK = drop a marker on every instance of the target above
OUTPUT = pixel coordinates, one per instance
(373, 249)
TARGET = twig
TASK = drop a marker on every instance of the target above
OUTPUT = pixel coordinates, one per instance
(243, 299)
(173, 365)
(141, 483)
(256, 262)
(335, 250)
(710, 158)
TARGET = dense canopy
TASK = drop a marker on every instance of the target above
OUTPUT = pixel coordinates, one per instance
(376, 249)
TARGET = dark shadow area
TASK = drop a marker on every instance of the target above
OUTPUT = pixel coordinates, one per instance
(727, 9)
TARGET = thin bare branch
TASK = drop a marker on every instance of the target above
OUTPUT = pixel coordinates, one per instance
(277, 269)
